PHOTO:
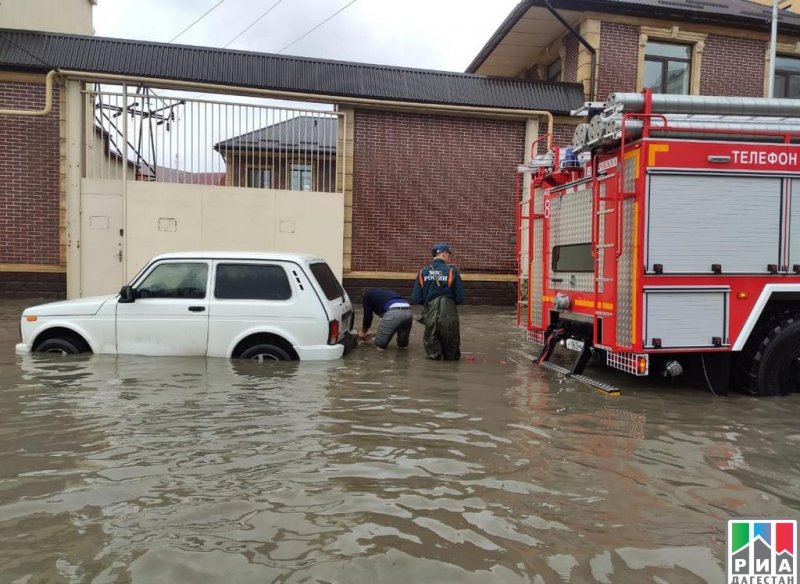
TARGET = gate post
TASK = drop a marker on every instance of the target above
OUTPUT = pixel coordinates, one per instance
(73, 118)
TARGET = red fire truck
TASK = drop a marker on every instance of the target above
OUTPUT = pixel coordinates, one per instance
(666, 239)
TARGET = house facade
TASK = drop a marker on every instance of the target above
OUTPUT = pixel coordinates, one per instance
(402, 158)
(681, 47)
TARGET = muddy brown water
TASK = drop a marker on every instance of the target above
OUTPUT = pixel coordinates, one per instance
(381, 467)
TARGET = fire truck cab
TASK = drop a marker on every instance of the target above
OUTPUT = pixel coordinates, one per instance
(667, 238)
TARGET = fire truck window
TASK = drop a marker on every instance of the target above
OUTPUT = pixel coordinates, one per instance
(573, 258)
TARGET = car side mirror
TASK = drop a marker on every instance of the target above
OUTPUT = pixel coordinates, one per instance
(127, 294)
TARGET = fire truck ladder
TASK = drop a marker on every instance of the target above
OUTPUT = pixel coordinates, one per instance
(554, 335)
(536, 164)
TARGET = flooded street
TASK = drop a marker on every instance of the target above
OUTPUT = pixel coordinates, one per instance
(381, 467)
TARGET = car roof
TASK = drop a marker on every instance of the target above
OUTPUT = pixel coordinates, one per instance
(241, 255)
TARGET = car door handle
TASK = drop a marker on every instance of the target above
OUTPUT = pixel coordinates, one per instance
(197, 308)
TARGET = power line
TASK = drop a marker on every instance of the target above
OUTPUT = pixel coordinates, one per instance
(316, 27)
(252, 24)
(196, 21)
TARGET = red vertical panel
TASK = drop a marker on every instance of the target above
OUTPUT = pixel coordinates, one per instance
(784, 537)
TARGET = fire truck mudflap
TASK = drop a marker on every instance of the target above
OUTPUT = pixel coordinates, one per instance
(666, 241)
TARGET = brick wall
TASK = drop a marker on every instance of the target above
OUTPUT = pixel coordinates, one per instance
(33, 285)
(562, 134)
(619, 54)
(29, 175)
(719, 76)
(418, 179)
(479, 293)
(570, 59)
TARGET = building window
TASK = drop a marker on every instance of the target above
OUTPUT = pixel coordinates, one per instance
(259, 178)
(554, 70)
(787, 78)
(301, 177)
(667, 67)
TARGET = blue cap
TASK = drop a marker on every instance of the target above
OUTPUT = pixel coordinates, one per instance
(439, 248)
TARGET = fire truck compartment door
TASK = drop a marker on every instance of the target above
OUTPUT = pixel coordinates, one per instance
(685, 318)
(794, 225)
(695, 221)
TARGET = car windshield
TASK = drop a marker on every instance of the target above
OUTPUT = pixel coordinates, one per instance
(327, 280)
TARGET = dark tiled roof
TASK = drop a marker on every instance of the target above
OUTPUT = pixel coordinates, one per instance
(30, 50)
(733, 13)
(316, 133)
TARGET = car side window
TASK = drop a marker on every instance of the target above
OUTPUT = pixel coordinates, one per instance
(251, 282)
(175, 280)
(327, 280)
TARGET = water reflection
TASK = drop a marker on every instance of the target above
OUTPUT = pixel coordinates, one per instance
(381, 467)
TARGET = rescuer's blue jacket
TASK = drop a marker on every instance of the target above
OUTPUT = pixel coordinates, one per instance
(438, 279)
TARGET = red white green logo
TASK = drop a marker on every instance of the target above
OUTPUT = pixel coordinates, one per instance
(762, 551)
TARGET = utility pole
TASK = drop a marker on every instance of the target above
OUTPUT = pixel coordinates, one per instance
(773, 49)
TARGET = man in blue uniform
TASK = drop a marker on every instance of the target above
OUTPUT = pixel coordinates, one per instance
(395, 313)
(439, 288)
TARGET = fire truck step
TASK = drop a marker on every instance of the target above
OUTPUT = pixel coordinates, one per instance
(596, 384)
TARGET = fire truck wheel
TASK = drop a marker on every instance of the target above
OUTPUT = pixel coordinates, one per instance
(776, 363)
(746, 369)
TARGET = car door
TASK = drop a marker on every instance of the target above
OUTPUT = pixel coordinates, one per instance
(252, 297)
(169, 314)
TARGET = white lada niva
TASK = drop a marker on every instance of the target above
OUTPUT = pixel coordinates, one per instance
(249, 305)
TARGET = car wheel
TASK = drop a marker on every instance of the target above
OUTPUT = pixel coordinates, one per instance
(61, 346)
(265, 352)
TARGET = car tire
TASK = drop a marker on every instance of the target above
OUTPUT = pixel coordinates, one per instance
(61, 346)
(265, 352)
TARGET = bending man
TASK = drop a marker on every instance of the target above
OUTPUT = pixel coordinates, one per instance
(395, 313)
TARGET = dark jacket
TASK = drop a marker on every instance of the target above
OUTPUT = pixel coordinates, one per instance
(438, 279)
(377, 300)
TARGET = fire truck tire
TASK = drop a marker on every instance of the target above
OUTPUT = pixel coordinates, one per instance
(775, 366)
(745, 376)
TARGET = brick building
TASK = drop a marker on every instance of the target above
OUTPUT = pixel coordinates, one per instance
(429, 155)
(681, 46)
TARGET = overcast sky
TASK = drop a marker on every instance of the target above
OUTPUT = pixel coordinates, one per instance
(429, 34)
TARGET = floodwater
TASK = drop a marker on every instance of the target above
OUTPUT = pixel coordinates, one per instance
(381, 467)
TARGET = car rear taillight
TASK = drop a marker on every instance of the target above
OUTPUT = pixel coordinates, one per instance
(333, 332)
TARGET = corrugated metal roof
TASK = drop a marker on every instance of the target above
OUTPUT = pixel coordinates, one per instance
(733, 13)
(302, 132)
(40, 51)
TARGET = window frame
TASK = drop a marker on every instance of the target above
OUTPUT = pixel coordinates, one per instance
(555, 256)
(787, 74)
(302, 169)
(676, 36)
(664, 62)
(264, 172)
(549, 74)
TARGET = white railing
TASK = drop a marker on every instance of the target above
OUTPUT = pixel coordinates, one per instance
(174, 137)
